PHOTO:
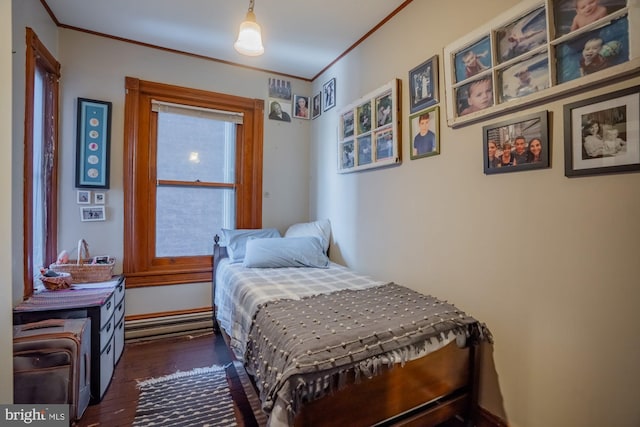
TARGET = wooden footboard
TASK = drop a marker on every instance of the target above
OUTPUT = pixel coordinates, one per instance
(425, 392)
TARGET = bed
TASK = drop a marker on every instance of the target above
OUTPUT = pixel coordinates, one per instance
(322, 341)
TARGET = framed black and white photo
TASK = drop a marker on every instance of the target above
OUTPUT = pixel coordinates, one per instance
(516, 145)
(602, 134)
(92, 143)
(92, 213)
(329, 94)
(99, 198)
(423, 85)
(316, 105)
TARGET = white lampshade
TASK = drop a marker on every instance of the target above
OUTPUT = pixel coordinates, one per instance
(249, 38)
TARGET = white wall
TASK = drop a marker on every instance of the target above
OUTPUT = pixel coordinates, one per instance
(6, 247)
(549, 263)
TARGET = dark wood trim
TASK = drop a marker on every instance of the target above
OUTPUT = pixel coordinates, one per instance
(166, 314)
(487, 419)
(38, 57)
(140, 265)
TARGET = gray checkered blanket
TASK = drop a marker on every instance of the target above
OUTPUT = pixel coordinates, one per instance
(241, 291)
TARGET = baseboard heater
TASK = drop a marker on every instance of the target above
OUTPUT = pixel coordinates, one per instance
(178, 324)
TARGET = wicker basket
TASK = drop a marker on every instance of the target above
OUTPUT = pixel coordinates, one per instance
(61, 281)
(82, 270)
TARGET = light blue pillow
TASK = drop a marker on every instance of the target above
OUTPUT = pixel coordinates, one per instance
(320, 229)
(285, 252)
(236, 240)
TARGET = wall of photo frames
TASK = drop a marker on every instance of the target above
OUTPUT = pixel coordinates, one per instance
(538, 49)
(369, 130)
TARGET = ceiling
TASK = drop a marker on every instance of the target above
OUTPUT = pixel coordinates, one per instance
(301, 37)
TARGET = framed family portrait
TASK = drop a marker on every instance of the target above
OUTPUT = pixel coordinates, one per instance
(423, 85)
(538, 49)
(602, 134)
(301, 107)
(516, 145)
(93, 139)
(425, 133)
(369, 130)
(329, 94)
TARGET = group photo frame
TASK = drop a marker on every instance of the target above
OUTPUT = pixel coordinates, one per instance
(423, 85)
(92, 213)
(517, 144)
(602, 134)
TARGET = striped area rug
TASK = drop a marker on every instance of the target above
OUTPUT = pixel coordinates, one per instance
(200, 397)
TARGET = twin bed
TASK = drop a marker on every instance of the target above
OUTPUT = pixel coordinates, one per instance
(329, 346)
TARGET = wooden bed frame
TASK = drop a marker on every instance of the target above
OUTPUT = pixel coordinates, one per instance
(424, 392)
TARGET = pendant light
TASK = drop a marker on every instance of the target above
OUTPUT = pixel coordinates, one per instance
(249, 38)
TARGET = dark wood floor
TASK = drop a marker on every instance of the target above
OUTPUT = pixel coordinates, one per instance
(149, 359)
(154, 358)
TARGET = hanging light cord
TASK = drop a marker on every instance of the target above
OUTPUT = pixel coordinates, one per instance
(251, 3)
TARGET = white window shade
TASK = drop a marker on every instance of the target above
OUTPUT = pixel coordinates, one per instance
(168, 107)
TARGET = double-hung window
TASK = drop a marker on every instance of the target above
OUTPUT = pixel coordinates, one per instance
(193, 165)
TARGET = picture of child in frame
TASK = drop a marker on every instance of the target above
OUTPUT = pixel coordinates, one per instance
(594, 51)
(571, 15)
(474, 96)
(473, 60)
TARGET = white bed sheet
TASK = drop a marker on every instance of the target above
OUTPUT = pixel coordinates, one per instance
(240, 291)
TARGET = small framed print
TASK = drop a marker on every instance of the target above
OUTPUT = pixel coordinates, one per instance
(92, 213)
(83, 197)
(92, 143)
(329, 94)
(602, 134)
(316, 105)
(301, 107)
(425, 133)
(99, 198)
(423, 85)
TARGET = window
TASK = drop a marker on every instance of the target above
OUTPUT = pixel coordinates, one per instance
(40, 160)
(193, 166)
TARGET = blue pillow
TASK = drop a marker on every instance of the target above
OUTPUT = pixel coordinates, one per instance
(285, 252)
(236, 240)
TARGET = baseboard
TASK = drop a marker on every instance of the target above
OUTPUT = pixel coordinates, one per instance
(164, 326)
(487, 419)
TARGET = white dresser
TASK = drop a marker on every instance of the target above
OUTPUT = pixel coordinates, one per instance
(103, 303)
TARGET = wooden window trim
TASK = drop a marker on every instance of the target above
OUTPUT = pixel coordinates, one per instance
(37, 56)
(140, 266)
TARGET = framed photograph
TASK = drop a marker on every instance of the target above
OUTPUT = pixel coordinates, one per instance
(301, 107)
(473, 60)
(567, 18)
(593, 51)
(99, 198)
(524, 78)
(474, 96)
(369, 130)
(84, 197)
(329, 94)
(280, 89)
(425, 133)
(602, 134)
(92, 213)
(279, 110)
(92, 143)
(316, 105)
(522, 36)
(423, 85)
(516, 145)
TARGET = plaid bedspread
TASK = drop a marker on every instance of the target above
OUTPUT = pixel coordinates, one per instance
(241, 291)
